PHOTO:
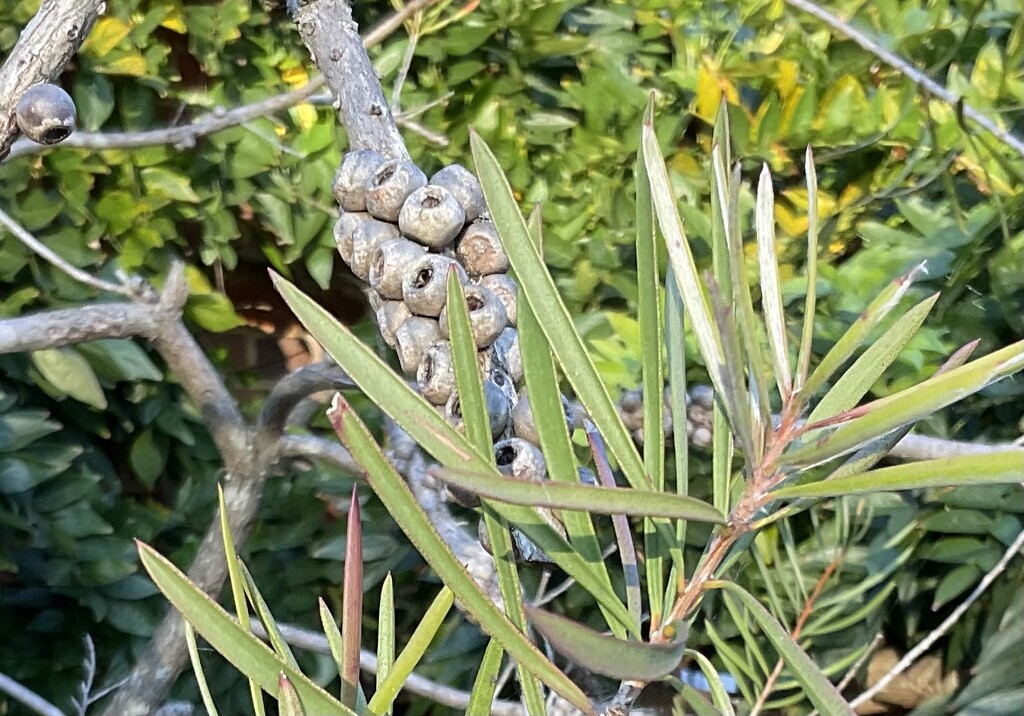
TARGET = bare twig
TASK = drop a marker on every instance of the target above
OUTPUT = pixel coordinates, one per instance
(29, 698)
(51, 256)
(935, 634)
(851, 673)
(43, 49)
(416, 684)
(186, 135)
(910, 72)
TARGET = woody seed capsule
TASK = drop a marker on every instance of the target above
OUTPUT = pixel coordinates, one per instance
(45, 114)
(390, 186)
(435, 375)
(464, 187)
(344, 227)
(487, 317)
(425, 284)
(390, 316)
(519, 459)
(412, 340)
(480, 250)
(367, 237)
(432, 216)
(356, 169)
(505, 288)
(390, 262)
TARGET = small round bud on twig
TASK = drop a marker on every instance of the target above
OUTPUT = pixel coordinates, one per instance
(464, 186)
(425, 284)
(389, 265)
(350, 180)
(480, 250)
(487, 316)
(390, 186)
(432, 216)
(46, 114)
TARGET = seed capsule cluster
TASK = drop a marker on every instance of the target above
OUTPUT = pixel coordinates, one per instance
(403, 233)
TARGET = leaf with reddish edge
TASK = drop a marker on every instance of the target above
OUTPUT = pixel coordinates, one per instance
(352, 604)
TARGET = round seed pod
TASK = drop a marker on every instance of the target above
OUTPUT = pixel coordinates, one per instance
(367, 237)
(390, 316)
(480, 250)
(413, 338)
(464, 186)
(499, 409)
(505, 287)
(519, 459)
(432, 216)
(425, 284)
(435, 375)
(389, 265)
(390, 186)
(46, 114)
(701, 437)
(587, 477)
(344, 227)
(487, 316)
(522, 418)
(356, 169)
(506, 349)
(702, 395)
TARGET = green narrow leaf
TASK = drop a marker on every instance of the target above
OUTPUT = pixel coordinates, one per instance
(675, 342)
(985, 469)
(593, 498)
(424, 633)
(857, 381)
(735, 397)
(197, 667)
(402, 506)
(239, 646)
(816, 685)
(694, 699)
(266, 617)
(237, 590)
(651, 371)
(721, 460)
(421, 421)
(385, 633)
(545, 300)
(807, 335)
(866, 322)
(478, 431)
(482, 695)
(352, 604)
(605, 654)
(549, 419)
(681, 257)
(771, 288)
(909, 405)
(719, 694)
(288, 697)
(333, 634)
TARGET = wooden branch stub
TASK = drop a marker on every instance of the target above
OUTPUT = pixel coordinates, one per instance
(332, 37)
(46, 45)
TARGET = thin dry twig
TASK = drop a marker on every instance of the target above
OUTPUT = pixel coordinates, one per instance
(935, 634)
(920, 79)
(28, 697)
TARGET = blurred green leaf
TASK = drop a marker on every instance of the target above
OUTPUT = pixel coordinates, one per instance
(70, 374)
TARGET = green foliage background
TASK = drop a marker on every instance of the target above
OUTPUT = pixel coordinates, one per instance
(99, 446)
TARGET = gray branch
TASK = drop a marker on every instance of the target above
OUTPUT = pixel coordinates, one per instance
(44, 48)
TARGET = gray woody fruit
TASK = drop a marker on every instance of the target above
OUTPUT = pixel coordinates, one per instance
(523, 423)
(413, 338)
(389, 265)
(496, 400)
(506, 350)
(46, 114)
(390, 317)
(356, 169)
(435, 375)
(390, 186)
(464, 186)
(344, 227)
(505, 287)
(367, 237)
(517, 458)
(480, 250)
(487, 317)
(425, 284)
(432, 216)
